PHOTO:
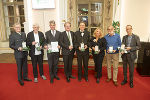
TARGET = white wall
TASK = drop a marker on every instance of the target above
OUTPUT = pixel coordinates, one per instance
(43, 16)
(136, 13)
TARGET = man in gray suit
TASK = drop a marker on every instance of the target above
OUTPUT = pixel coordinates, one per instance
(15, 42)
(132, 44)
(52, 36)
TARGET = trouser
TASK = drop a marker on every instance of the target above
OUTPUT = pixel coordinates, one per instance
(37, 59)
(98, 60)
(68, 64)
(22, 67)
(127, 60)
(112, 58)
(82, 58)
(53, 63)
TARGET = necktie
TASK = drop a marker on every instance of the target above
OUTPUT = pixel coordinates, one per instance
(82, 34)
(53, 33)
(69, 37)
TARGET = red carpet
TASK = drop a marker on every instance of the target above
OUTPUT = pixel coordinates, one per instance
(61, 90)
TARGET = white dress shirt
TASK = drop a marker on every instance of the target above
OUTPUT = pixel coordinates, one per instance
(53, 32)
(36, 37)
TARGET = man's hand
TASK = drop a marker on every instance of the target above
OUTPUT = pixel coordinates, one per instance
(107, 51)
(122, 52)
(93, 48)
(79, 48)
(58, 46)
(114, 51)
(70, 47)
(20, 48)
(40, 47)
(75, 53)
(85, 47)
(128, 48)
(33, 43)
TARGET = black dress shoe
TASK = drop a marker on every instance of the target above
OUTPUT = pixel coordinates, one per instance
(123, 82)
(21, 83)
(72, 77)
(57, 78)
(98, 80)
(86, 79)
(52, 81)
(131, 84)
(68, 79)
(27, 79)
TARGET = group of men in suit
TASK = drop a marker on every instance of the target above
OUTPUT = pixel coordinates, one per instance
(70, 43)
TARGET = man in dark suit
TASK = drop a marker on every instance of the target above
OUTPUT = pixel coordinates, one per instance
(82, 44)
(35, 40)
(15, 42)
(52, 36)
(67, 44)
(132, 44)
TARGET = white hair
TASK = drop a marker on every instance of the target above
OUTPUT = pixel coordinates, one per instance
(35, 25)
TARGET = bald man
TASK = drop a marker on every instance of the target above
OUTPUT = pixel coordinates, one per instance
(112, 55)
(132, 44)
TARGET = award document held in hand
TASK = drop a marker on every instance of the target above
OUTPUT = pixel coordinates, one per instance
(37, 46)
(96, 50)
(122, 49)
(24, 47)
(82, 47)
(54, 47)
(111, 49)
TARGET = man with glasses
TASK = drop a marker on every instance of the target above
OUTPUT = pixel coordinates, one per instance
(67, 44)
(132, 44)
(17, 41)
(112, 53)
(82, 44)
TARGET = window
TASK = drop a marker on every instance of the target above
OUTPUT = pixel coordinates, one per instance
(90, 12)
(13, 13)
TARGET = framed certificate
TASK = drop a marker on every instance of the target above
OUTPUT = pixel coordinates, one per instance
(54, 47)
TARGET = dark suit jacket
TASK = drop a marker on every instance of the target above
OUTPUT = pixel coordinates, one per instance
(79, 39)
(30, 39)
(135, 45)
(65, 43)
(101, 43)
(50, 38)
(15, 41)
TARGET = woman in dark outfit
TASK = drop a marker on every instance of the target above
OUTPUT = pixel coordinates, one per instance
(98, 45)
